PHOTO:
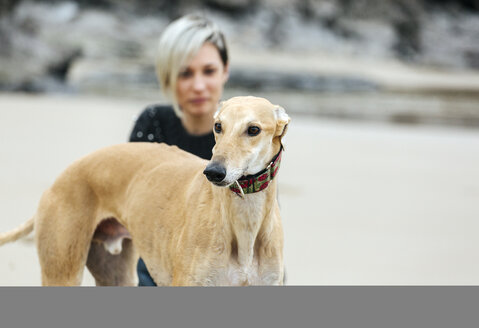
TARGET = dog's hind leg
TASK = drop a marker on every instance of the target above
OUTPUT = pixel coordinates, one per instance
(113, 269)
(64, 226)
(62, 250)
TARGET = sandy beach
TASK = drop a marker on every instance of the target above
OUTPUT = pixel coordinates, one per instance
(362, 203)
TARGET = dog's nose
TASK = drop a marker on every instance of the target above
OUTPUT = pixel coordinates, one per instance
(215, 172)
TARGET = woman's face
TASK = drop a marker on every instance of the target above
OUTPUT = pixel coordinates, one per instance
(200, 84)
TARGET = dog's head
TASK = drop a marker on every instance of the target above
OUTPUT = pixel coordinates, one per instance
(248, 132)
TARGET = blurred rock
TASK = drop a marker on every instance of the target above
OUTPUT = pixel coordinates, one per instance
(234, 7)
(450, 40)
(32, 46)
(85, 44)
(271, 81)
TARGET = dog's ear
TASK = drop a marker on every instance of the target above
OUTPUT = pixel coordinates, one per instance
(282, 121)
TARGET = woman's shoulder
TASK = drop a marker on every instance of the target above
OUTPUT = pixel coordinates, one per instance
(157, 115)
(158, 111)
(153, 122)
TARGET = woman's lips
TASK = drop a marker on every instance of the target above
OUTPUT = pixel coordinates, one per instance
(198, 101)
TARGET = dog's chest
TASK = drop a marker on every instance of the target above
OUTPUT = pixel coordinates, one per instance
(237, 275)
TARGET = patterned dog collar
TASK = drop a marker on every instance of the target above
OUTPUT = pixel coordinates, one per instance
(253, 183)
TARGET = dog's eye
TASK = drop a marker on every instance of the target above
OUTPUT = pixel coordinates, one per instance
(253, 131)
(218, 127)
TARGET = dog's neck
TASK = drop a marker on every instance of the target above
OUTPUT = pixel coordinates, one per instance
(259, 181)
(248, 217)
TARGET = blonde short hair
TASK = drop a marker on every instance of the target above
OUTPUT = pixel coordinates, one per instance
(178, 44)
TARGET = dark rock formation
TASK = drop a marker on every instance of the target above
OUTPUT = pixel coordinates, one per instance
(65, 43)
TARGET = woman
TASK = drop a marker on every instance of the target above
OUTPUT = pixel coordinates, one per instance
(192, 68)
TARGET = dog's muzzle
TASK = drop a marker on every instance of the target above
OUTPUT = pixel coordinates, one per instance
(215, 172)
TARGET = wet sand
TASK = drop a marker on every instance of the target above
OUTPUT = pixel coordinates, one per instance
(362, 203)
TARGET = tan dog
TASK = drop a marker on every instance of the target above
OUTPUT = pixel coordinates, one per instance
(153, 200)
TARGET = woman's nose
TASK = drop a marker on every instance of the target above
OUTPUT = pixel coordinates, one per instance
(199, 82)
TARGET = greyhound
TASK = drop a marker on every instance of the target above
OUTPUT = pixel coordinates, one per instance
(194, 222)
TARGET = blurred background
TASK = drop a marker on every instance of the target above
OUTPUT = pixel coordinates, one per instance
(411, 61)
(380, 181)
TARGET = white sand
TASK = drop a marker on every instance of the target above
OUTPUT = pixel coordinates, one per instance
(361, 203)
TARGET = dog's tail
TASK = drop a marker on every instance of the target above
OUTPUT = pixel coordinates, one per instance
(17, 233)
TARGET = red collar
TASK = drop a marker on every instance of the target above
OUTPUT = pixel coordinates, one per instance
(253, 183)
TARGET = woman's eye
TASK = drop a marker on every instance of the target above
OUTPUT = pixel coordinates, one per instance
(185, 74)
(210, 71)
(218, 127)
(253, 131)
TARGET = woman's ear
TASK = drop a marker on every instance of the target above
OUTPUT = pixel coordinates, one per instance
(282, 121)
(226, 73)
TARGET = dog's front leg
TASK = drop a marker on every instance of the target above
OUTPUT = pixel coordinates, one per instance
(271, 271)
(182, 280)
(200, 271)
(272, 276)
(185, 275)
